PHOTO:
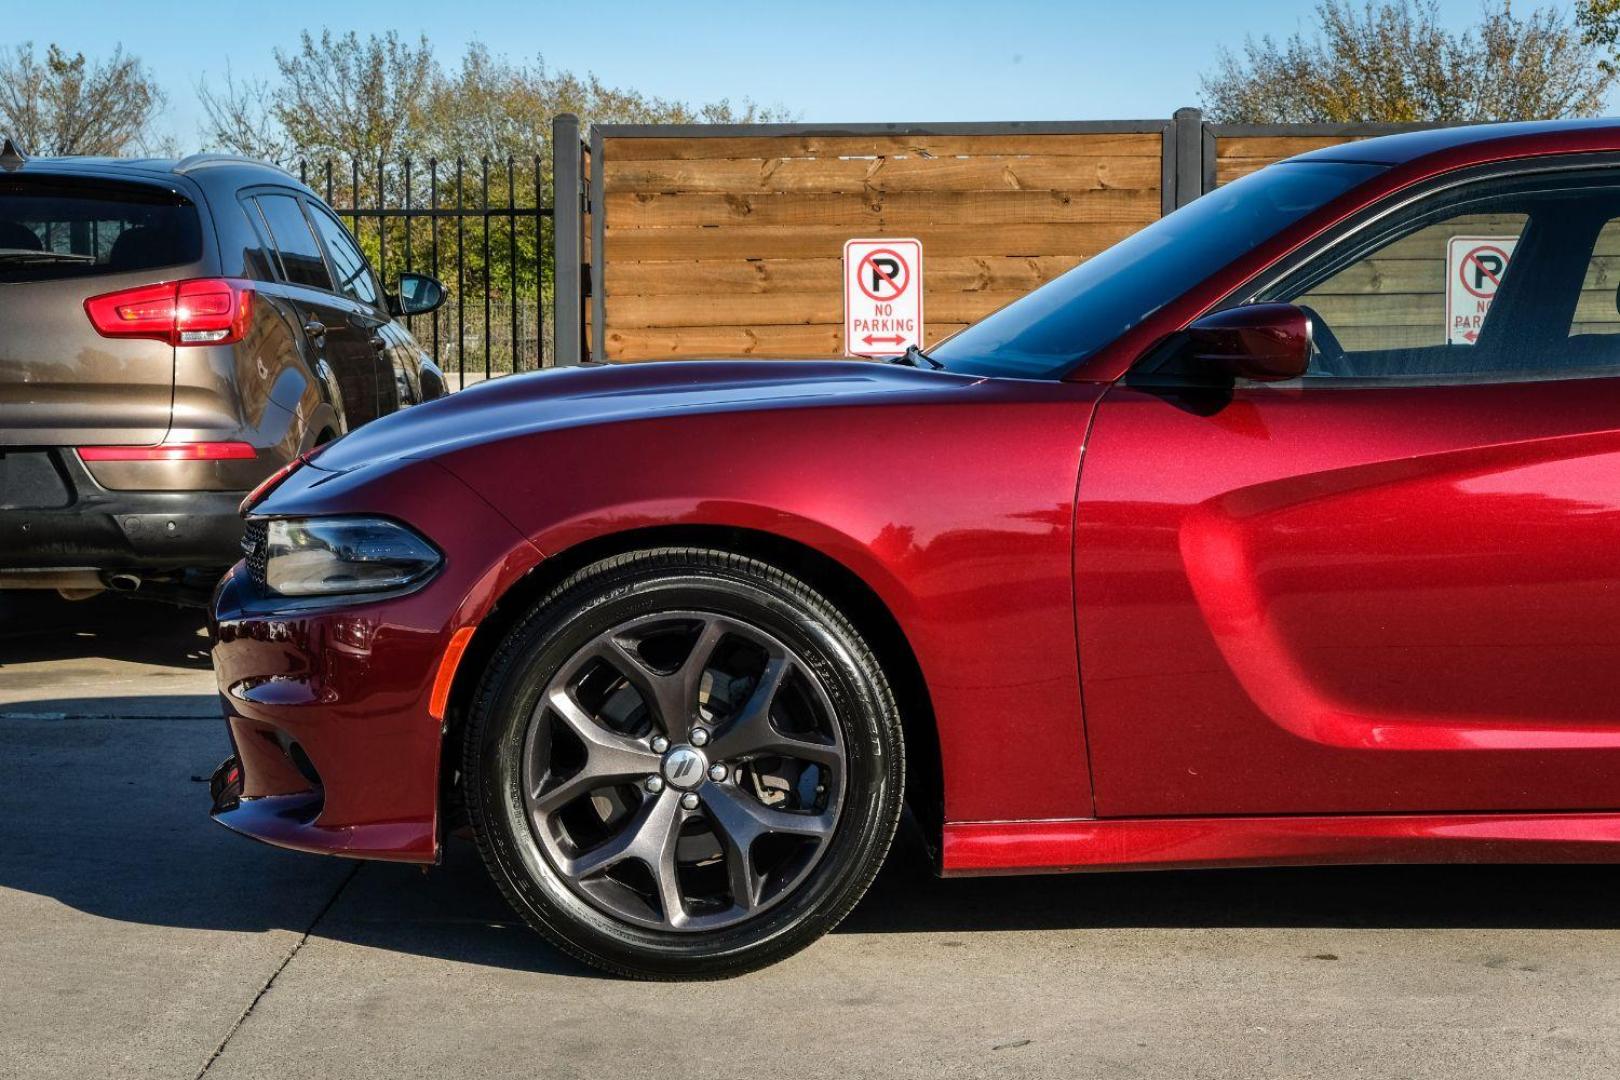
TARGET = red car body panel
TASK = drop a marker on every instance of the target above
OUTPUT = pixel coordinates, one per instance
(1366, 625)
(1032, 847)
(986, 603)
(351, 686)
(1353, 601)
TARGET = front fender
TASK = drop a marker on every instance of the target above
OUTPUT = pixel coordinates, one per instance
(959, 519)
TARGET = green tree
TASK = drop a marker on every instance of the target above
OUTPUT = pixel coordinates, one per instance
(358, 106)
(492, 105)
(1599, 21)
(1397, 61)
(66, 104)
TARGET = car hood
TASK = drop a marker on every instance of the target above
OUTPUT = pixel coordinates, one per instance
(595, 395)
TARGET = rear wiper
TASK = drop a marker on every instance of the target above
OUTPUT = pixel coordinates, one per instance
(25, 255)
(915, 357)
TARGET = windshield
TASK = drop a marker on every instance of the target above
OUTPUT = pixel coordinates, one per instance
(1046, 333)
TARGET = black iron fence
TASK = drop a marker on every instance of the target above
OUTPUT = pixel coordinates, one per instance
(482, 227)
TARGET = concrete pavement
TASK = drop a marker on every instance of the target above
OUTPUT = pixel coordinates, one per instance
(139, 940)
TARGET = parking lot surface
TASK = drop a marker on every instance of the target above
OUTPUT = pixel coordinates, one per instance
(137, 939)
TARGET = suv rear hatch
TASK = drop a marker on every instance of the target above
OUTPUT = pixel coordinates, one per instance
(64, 238)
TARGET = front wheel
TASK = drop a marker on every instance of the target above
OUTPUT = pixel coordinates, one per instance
(683, 763)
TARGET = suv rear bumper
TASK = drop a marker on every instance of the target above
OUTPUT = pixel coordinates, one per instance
(89, 526)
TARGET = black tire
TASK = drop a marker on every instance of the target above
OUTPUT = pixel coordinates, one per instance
(590, 603)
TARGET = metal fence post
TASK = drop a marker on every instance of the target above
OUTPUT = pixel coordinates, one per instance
(1189, 155)
(568, 240)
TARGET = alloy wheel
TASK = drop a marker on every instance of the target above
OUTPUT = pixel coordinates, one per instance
(683, 771)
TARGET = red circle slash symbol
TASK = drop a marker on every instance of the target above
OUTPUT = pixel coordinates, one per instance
(1481, 265)
(884, 268)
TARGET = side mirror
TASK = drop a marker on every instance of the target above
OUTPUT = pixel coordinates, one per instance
(419, 294)
(1257, 341)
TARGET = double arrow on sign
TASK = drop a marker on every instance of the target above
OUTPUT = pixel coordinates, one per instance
(895, 340)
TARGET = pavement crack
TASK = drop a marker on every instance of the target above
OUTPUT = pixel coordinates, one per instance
(285, 960)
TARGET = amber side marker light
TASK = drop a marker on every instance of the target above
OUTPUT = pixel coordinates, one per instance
(439, 700)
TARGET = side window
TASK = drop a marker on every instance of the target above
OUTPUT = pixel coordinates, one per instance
(1499, 280)
(354, 276)
(1401, 296)
(1599, 309)
(296, 247)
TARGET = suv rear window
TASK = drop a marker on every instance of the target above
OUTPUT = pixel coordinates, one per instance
(56, 227)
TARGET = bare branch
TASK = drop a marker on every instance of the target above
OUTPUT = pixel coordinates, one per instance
(64, 104)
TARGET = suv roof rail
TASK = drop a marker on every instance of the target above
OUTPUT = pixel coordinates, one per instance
(12, 157)
(203, 161)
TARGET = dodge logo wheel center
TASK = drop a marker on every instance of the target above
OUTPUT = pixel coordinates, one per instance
(685, 768)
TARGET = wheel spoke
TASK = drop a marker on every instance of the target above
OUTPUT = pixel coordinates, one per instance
(740, 819)
(609, 757)
(671, 696)
(750, 732)
(648, 836)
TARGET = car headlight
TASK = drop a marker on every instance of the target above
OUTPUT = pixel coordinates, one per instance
(327, 556)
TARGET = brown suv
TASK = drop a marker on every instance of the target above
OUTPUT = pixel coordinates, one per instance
(171, 333)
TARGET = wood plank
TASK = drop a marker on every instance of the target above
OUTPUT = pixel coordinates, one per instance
(880, 209)
(705, 148)
(627, 312)
(1595, 306)
(758, 342)
(1385, 276)
(912, 174)
(1228, 171)
(684, 277)
(1275, 147)
(812, 241)
(1361, 338)
(1238, 156)
(1414, 309)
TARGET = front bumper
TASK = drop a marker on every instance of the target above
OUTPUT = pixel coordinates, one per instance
(328, 703)
(75, 522)
(327, 711)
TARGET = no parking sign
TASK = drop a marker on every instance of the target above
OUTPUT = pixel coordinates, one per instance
(1474, 269)
(882, 297)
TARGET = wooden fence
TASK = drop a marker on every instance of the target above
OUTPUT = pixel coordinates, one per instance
(727, 240)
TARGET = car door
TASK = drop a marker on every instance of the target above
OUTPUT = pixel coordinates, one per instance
(1394, 584)
(332, 323)
(365, 314)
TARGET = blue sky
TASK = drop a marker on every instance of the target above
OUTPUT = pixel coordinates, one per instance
(828, 61)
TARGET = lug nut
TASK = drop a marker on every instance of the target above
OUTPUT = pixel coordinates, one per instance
(699, 736)
(660, 744)
(717, 772)
(654, 784)
(690, 800)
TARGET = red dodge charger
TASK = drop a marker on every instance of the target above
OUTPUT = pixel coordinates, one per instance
(1285, 531)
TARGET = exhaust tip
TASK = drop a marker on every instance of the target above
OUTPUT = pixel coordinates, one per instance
(123, 582)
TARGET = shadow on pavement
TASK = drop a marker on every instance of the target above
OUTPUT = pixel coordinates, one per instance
(40, 626)
(149, 855)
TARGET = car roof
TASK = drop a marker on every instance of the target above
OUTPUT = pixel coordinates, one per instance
(226, 170)
(1473, 140)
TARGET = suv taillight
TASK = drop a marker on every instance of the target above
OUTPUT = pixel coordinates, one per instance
(202, 311)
